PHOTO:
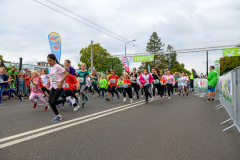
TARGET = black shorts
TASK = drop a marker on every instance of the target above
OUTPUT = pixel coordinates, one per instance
(44, 89)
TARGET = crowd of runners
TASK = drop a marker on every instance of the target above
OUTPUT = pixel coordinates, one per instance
(63, 85)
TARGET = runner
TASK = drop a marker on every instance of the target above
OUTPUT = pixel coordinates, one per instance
(146, 79)
(170, 83)
(103, 85)
(4, 79)
(67, 63)
(89, 86)
(113, 85)
(156, 81)
(69, 87)
(185, 84)
(12, 89)
(36, 90)
(163, 83)
(94, 79)
(82, 80)
(179, 83)
(133, 78)
(127, 88)
(108, 72)
(120, 85)
(58, 75)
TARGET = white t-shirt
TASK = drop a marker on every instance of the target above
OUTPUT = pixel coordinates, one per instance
(146, 77)
(184, 81)
(44, 79)
(88, 81)
(179, 81)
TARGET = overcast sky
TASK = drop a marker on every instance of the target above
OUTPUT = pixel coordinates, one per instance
(25, 25)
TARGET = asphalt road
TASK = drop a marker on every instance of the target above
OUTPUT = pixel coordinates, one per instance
(181, 128)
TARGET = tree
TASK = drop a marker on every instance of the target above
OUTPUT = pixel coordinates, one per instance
(1, 58)
(101, 59)
(177, 67)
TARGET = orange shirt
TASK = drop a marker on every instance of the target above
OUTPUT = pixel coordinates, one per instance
(164, 81)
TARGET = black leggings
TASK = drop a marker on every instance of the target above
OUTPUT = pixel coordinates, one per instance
(95, 87)
(53, 99)
(113, 90)
(129, 92)
(158, 86)
(120, 90)
(146, 88)
(169, 88)
(67, 93)
(135, 86)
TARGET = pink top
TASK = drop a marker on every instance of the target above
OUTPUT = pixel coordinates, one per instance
(170, 79)
(143, 81)
(56, 75)
(36, 89)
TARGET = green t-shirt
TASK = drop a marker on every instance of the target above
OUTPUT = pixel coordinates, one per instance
(82, 76)
(95, 80)
(12, 83)
(102, 83)
(12, 73)
(120, 83)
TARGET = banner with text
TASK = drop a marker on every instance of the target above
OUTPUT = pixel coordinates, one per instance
(125, 63)
(55, 44)
(143, 58)
(229, 52)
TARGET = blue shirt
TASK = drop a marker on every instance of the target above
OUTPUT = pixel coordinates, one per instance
(4, 77)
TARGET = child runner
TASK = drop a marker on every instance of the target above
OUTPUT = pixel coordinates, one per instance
(163, 83)
(4, 79)
(185, 84)
(179, 83)
(108, 72)
(133, 78)
(113, 85)
(156, 81)
(127, 88)
(69, 88)
(94, 79)
(170, 83)
(146, 79)
(57, 77)
(103, 85)
(36, 91)
(12, 89)
(82, 80)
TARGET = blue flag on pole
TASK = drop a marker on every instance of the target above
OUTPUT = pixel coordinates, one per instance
(55, 44)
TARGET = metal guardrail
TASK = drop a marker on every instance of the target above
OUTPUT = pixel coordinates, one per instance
(227, 92)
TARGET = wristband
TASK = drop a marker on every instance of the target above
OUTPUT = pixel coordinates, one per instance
(62, 81)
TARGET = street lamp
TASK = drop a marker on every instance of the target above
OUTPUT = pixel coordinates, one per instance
(126, 46)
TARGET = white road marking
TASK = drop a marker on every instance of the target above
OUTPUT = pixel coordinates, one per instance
(65, 126)
(62, 123)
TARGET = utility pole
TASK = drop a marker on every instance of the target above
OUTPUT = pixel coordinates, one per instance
(207, 63)
(91, 56)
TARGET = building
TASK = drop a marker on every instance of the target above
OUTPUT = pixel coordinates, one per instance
(45, 64)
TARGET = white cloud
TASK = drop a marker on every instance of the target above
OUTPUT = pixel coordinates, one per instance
(184, 24)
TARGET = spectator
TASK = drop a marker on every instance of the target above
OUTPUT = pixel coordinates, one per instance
(67, 63)
(26, 86)
(20, 84)
(26, 72)
(212, 82)
(13, 72)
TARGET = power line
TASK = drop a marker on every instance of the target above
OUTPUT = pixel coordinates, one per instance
(135, 45)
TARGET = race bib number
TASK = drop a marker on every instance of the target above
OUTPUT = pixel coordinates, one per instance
(169, 81)
(183, 81)
(32, 85)
(156, 81)
(1, 80)
(53, 79)
(81, 80)
(66, 85)
(112, 80)
(132, 79)
(125, 86)
(102, 82)
(146, 80)
(161, 82)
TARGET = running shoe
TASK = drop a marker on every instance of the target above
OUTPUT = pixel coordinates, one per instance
(102, 97)
(21, 99)
(86, 97)
(83, 104)
(152, 99)
(46, 108)
(146, 101)
(118, 96)
(99, 95)
(36, 99)
(207, 100)
(113, 98)
(92, 96)
(76, 108)
(169, 97)
(107, 99)
(35, 105)
(124, 99)
(61, 105)
(70, 102)
(137, 97)
(142, 96)
(213, 100)
(131, 101)
(186, 94)
(179, 94)
(134, 96)
(161, 99)
(183, 95)
(57, 118)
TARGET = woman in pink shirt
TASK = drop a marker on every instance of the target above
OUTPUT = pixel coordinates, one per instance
(58, 75)
(170, 83)
(145, 80)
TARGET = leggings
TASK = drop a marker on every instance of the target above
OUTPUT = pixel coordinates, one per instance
(158, 86)
(67, 93)
(120, 90)
(96, 88)
(12, 91)
(146, 88)
(82, 89)
(113, 90)
(135, 86)
(39, 95)
(3, 89)
(53, 99)
(169, 88)
(103, 90)
(129, 92)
